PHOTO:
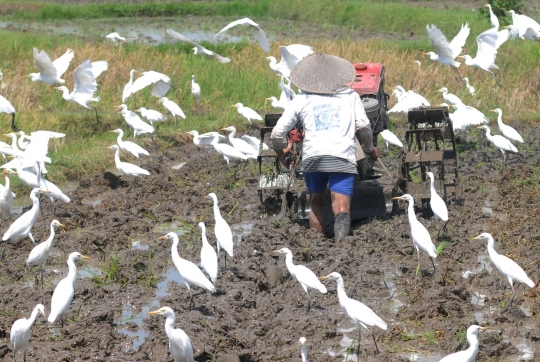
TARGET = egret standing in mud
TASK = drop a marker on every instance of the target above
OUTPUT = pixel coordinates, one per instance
(509, 268)
(303, 350)
(438, 206)
(209, 259)
(470, 353)
(222, 230)
(22, 329)
(419, 233)
(307, 279)
(503, 144)
(360, 314)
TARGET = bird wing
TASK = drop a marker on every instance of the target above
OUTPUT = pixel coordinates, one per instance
(37, 149)
(161, 88)
(173, 34)
(62, 63)
(5, 106)
(361, 313)
(147, 78)
(438, 206)
(134, 148)
(61, 299)
(422, 239)
(99, 67)
(300, 51)
(180, 346)
(288, 58)
(510, 268)
(391, 138)
(174, 108)
(263, 41)
(243, 21)
(459, 40)
(250, 113)
(487, 48)
(502, 37)
(306, 277)
(439, 42)
(83, 77)
(45, 65)
(131, 169)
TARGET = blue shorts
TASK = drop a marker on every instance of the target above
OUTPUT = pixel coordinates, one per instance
(340, 182)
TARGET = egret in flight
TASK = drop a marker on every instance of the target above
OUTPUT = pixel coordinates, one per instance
(390, 138)
(199, 49)
(485, 53)
(161, 84)
(51, 72)
(447, 52)
(261, 36)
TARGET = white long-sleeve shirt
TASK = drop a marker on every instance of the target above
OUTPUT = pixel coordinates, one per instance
(330, 123)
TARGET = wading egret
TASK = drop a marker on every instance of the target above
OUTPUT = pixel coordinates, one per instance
(303, 350)
(85, 85)
(40, 253)
(486, 53)
(134, 121)
(6, 107)
(64, 291)
(179, 342)
(199, 49)
(161, 83)
(227, 151)
(126, 168)
(470, 88)
(115, 37)
(23, 225)
(419, 233)
(447, 52)
(360, 314)
(128, 146)
(6, 196)
(470, 353)
(261, 36)
(22, 329)
(248, 113)
(222, 230)
(190, 273)
(151, 115)
(173, 108)
(507, 131)
(195, 89)
(503, 144)
(307, 279)
(51, 72)
(240, 144)
(390, 138)
(509, 268)
(209, 259)
(125, 92)
(205, 140)
(438, 206)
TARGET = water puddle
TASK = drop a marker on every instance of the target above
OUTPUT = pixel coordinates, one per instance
(177, 227)
(421, 357)
(485, 264)
(242, 229)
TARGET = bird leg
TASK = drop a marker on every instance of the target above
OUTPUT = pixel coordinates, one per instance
(225, 261)
(458, 77)
(24, 355)
(4, 250)
(97, 118)
(42, 278)
(140, 159)
(54, 208)
(13, 127)
(190, 299)
(444, 226)
(308, 303)
(359, 339)
(130, 183)
(374, 341)
(496, 80)
(433, 263)
(175, 121)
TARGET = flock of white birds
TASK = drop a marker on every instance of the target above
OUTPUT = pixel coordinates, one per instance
(30, 155)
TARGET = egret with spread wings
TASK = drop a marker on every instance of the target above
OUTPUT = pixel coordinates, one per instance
(261, 36)
(486, 53)
(51, 72)
(199, 49)
(447, 52)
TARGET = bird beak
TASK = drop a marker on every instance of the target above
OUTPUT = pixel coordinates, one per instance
(475, 238)
(276, 252)
(485, 328)
(42, 313)
(86, 257)
(62, 227)
(154, 312)
(479, 127)
(223, 129)
(397, 198)
(232, 106)
(44, 191)
(504, 27)
(137, 110)
(162, 237)
(460, 56)
(492, 110)
(324, 278)
(112, 131)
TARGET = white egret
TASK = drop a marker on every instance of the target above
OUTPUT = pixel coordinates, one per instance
(37, 149)
(115, 37)
(209, 259)
(470, 353)
(390, 138)
(14, 149)
(51, 72)
(40, 253)
(7, 107)
(465, 116)
(524, 27)
(205, 140)
(227, 151)
(407, 100)
(255, 142)
(23, 141)
(485, 54)
(492, 17)
(240, 144)
(307, 279)
(179, 342)
(195, 89)
(419, 64)
(419, 233)
(280, 104)
(290, 55)
(447, 52)
(151, 115)
(54, 193)
(507, 131)
(303, 350)
(173, 108)
(508, 268)
(128, 146)
(126, 168)
(450, 98)
(438, 206)
(199, 49)
(84, 86)
(248, 113)
(287, 93)
(125, 92)
(21, 331)
(360, 314)
(502, 143)
(261, 36)
(190, 273)
(523, 33)
(222, 230)
(6, 196)
(134, 121)
(161, 84)
(470, 88)
(23, 225)
(64, 291)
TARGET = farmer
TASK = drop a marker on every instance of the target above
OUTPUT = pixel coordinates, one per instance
(331, 114)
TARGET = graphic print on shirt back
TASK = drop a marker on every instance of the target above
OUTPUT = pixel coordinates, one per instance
(326, 116)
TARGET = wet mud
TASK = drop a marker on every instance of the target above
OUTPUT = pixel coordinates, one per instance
(258, 312)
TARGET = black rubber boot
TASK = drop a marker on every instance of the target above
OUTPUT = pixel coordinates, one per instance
(342, 225)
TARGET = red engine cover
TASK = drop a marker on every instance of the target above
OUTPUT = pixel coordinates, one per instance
(368, 78)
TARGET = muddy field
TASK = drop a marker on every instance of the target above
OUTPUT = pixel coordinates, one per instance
(258, 312)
